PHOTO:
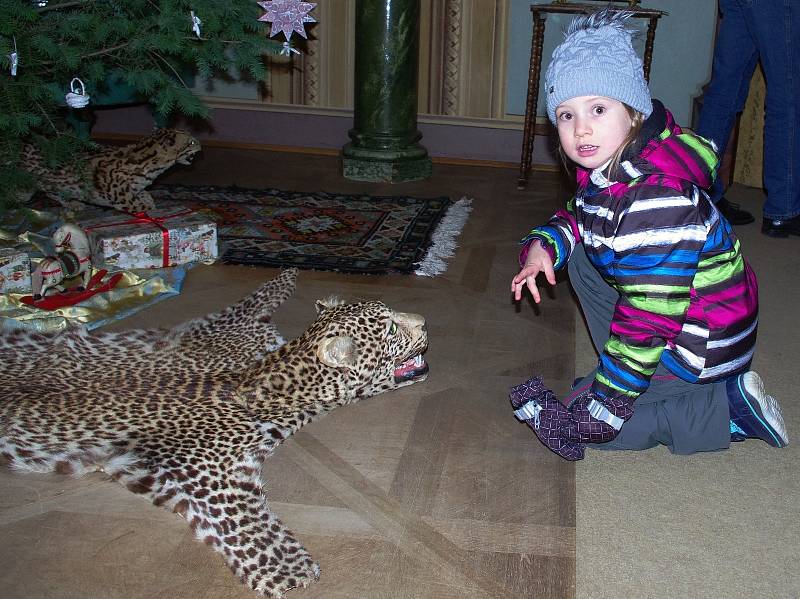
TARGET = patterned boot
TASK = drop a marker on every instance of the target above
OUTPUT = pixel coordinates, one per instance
(537, 406)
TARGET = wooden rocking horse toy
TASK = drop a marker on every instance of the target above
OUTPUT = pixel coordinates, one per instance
(72, 259)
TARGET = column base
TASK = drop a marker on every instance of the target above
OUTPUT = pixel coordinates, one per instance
(385, 170)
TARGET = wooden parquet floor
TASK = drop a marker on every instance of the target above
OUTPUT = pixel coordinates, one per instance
(432, 491)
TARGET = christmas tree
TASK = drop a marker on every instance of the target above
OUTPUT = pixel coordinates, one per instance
(151, 48)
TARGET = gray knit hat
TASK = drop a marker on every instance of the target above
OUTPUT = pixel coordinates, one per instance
(597, 58)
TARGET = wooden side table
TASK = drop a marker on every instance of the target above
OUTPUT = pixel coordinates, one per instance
(539, 13)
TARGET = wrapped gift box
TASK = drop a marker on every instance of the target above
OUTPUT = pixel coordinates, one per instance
(163, 237)
(15, 271)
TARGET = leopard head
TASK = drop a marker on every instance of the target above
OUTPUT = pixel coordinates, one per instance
(351, 351)
(380, 348)
(179, 146)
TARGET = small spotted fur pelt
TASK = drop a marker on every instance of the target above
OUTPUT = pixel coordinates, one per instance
(116, 177)
(187, 416)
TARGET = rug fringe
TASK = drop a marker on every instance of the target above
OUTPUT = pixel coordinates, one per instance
(444, 239)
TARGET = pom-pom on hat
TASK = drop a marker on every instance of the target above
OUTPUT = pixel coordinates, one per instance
(597, 58)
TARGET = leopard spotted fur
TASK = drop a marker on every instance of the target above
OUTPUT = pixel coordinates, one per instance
(187, 416)
(116, 177)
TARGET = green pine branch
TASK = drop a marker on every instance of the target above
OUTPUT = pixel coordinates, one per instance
(146, 45)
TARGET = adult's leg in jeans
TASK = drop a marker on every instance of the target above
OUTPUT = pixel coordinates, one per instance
(683, 416)
(776, 27)
(735, 59)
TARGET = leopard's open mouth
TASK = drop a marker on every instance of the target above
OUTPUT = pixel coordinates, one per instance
(411, 370)
(186, 159)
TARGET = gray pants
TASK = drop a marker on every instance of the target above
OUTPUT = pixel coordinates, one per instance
(685, 417)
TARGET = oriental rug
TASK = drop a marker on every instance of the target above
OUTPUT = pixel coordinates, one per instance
(327, 231)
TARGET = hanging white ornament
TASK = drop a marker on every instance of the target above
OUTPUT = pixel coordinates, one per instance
(287, 16)
(77, 97)
(196, 22)
(287, 50)
(14, 59)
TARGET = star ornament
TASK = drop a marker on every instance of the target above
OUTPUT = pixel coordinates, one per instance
(287, 16)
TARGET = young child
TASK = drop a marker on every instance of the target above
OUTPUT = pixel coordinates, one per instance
(671, 304)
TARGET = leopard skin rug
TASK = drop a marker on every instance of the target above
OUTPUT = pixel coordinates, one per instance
(187, 416)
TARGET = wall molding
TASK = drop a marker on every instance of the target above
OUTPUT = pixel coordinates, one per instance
(242, 122)
(510, 122)
(124, 137)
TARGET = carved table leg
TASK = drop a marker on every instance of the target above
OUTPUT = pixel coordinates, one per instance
(648, 46)
(532, 100)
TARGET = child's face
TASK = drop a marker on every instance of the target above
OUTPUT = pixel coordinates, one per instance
(592, 128)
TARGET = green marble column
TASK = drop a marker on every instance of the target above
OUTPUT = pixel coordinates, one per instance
(384, 142)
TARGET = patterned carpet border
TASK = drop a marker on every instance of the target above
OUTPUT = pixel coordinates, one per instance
(315, 230)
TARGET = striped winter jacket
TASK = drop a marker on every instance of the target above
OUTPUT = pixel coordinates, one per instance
(687, 298)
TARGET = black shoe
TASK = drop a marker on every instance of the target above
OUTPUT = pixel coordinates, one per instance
(777, 227)
(733, 214)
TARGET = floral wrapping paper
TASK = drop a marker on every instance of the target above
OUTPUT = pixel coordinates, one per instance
(164, 237)
(15, 271)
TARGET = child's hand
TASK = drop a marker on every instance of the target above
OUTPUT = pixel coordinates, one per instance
(538, 260)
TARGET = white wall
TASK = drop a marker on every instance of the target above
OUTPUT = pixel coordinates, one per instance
(681, 57)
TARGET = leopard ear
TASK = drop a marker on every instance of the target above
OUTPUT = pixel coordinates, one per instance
(338, 352)
(327, 303)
